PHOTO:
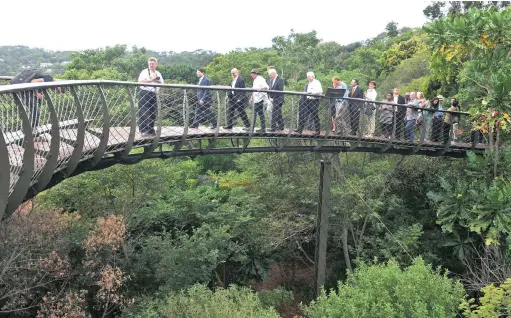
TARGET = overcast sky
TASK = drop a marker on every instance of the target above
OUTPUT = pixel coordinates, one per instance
(187, 25)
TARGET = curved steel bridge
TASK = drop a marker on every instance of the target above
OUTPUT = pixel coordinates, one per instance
(86, 125)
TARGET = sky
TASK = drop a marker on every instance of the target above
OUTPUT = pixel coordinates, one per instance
(219, 26)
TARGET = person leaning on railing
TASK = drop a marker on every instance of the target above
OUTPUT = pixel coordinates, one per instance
(411, 117)
(147, 98)
(425, 115)
(387, 117)
(308, 110)
(436, 131)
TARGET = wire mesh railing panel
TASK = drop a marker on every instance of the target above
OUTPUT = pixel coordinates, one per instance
(67, 115)
(93, 112)
(36, 107)
(175, 112)
(120, 111)
(11, 124)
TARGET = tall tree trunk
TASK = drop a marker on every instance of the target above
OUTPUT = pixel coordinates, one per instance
(344, 238)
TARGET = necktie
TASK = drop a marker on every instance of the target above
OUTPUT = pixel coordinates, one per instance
(352, 91)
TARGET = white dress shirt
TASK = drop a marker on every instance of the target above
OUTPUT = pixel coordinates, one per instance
(395, 98)
(145, 75)
(314, 87)
(259, 83)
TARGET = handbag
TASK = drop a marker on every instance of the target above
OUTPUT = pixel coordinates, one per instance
(420, 119)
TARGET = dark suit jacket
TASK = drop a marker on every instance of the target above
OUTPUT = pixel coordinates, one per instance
(238, 95)
(278, 85)
(358, 93)
(204, 94)
(401, 110)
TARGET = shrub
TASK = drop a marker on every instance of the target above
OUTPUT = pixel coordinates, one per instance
(386, 290)
(200, 302)
(496, 302)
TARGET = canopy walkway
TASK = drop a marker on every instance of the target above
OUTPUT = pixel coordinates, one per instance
(84, 125)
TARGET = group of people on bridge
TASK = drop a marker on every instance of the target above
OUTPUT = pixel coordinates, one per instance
(346, 112)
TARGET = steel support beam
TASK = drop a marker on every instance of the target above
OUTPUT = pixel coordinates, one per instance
(27, 168)
(322, 224)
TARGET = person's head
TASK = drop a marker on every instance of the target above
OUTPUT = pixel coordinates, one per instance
(396, 91)
(436, 101)
(455, 103)
(235, 72)
(310, 76)
(254, 73)
(354, 82)
(453, 99)
(152, 62)
(201, 72)
(270, 67)
(336, 81)
(440, 98)
(407, 95)
(272, 73)
(413, 95)
(420, 95)
(372, 84)
(390, 97)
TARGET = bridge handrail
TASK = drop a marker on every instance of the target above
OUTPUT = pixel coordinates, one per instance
(67, 83)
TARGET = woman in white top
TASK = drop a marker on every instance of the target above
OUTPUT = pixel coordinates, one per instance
(371, 94)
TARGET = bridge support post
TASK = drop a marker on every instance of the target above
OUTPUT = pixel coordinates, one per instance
(322, 223)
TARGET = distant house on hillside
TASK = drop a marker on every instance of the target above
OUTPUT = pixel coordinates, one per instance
(45, 65)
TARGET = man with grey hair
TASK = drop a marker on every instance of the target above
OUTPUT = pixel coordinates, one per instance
(237, 101)
(147, 98)
(276, 83)
(308, 109)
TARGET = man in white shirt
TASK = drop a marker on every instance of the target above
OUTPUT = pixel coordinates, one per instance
(259, 97)
(147, 98)
(308, 110)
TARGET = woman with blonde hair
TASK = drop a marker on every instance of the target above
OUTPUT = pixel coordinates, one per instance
(425, 116)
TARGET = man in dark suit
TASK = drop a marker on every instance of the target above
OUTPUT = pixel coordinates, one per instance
(276, 83)
(203, 111)
(400, 114)
(355, 107)
(237, 101)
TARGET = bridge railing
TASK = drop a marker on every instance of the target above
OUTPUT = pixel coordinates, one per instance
(49, 128)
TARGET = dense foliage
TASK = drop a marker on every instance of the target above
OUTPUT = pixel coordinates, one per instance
(138, 239)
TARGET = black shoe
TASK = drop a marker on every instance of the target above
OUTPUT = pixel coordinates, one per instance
(227, 127)
(272, 130)
(194, 126)
(212, 127)
(262, 130)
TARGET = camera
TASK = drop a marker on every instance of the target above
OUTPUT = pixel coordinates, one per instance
(157, 78)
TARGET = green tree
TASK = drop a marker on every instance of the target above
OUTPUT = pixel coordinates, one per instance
(391, 29)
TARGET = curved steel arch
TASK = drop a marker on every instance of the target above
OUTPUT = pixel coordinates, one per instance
(99, 141)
